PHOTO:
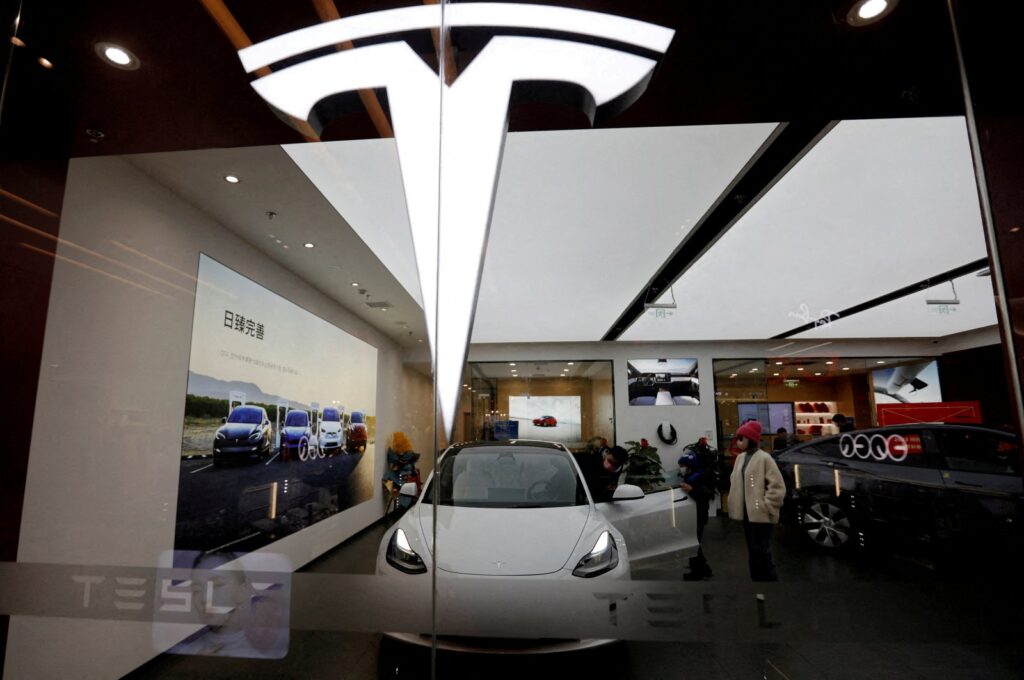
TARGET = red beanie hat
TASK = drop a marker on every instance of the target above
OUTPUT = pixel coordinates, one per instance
(751, 430)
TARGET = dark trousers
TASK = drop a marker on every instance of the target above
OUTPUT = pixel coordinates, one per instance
(699, 562)
(759, 550)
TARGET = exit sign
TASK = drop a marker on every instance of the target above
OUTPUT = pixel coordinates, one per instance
(791, 383)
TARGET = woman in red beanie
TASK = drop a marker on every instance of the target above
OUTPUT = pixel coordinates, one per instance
(756, 495)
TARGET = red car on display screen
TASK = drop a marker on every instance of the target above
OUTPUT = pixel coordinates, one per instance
(545, 421)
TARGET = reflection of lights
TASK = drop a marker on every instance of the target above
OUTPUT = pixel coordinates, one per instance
(45, 63)
(796, 475)
(17, 42)
(838, 483)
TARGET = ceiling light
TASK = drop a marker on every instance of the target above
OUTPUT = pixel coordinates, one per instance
(778, 363)
(775, 374)
(271, 235)
(571, 363)
(465, 385)
(879, 362)
(420, 340)
(383, 309)
(285, 246)
(846, 368)
(231, 179)
(800, 368)
(733, 375)
(17, 42)
(1014, 230)
(308, 244)
(867, 12)
(511, 363)
(45, 63)
(753, 370)
(117, 56)
(355, 284)
(829, 363)
(817, 374)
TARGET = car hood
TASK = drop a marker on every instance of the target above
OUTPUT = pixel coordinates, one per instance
(504, 542)
(330, 426)
(295, 431)
(235, 430)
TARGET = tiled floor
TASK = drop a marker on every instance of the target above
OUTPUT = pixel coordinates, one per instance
(881, 616)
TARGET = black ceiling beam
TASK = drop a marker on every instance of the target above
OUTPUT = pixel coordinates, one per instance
(930, 282)
(782, 150)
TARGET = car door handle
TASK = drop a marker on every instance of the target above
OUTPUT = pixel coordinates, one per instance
(681, 498)
(973, 486)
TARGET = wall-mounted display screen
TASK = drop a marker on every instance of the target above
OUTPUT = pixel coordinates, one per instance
(548, 418)
(908, 384)
(662, 382)
(279, 418)
(771, 415)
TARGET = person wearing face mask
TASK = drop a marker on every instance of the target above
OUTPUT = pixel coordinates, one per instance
(756, 494)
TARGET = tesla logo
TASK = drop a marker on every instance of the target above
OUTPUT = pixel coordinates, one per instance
(449, 161)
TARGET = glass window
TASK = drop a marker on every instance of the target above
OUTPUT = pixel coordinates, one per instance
(247, 415)
(971, 450)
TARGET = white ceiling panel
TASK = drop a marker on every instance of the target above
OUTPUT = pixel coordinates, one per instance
(584, 218)
(912, 317)
(873, 207)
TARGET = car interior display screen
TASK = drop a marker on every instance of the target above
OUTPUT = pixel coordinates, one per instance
(663, 382)
(279, 417)
(914, 383)
(548, 418)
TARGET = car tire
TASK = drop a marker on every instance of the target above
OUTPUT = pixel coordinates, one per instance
(828, 525)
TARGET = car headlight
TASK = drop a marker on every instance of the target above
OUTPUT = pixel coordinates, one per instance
(603, 558)
(256, 435)
(220, 435)
(401, 556)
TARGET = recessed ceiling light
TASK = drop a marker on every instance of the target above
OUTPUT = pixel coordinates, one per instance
(285, 246)
(778, 363)
(383, 309)
(45, 63)
(231, 179)
(869, 11)
(829, 363)
(17, 42)
(464, 385)
(817, 373)
(733, 375)
(775, 374)
(571, 363)
(800, 368)
(355, 284)
(308, 244)
(272, 235)
(511, 363)
(753, 370)
(1014, 230)
(420, 340)
(846, 368)
(117, 56)
(879, 362)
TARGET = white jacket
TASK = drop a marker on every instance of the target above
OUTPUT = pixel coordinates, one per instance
(763, 489)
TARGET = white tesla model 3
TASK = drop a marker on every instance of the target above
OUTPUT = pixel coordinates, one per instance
(518, 513)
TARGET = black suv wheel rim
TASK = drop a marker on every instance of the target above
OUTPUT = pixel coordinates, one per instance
(827, 525)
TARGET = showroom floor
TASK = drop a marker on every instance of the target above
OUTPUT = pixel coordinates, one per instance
(962, 623)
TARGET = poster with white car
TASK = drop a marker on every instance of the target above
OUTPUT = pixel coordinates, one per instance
(272, 393)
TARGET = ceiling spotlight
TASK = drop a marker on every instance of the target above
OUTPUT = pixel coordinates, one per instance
(879, 362)
(866, 12)
(117, 56)
(420, 340)
(383, 309)
(733, 375)
(571, 363)
(1014, 230)
(817, 374)
(511, 363)
(846, 368)
(45, 63)
(800, 368)
(829, 363)
(17, 42)
(285, 246)
(355, 284)
(308, 244)
(464, 385)
(778, 363)
(231, 179)
(775, 374)
(753, 370)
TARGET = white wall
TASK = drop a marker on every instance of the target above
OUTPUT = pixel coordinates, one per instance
(104, 464)
(633, 423)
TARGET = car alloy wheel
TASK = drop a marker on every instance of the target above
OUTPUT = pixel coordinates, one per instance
(827, 525)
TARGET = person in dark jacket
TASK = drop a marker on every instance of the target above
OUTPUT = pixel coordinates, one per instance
(698, 481)
(601, 472)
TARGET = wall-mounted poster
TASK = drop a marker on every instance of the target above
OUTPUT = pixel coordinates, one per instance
(907, 384)
(279, 418)
(549, 418)
(662, 382)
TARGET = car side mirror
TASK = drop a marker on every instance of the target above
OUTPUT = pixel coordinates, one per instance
(224, 420)
(627, 492)
(409, 489)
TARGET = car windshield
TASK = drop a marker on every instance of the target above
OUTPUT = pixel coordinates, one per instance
(247, 415)
(507, 477)
(296, 419)
(331, 415)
